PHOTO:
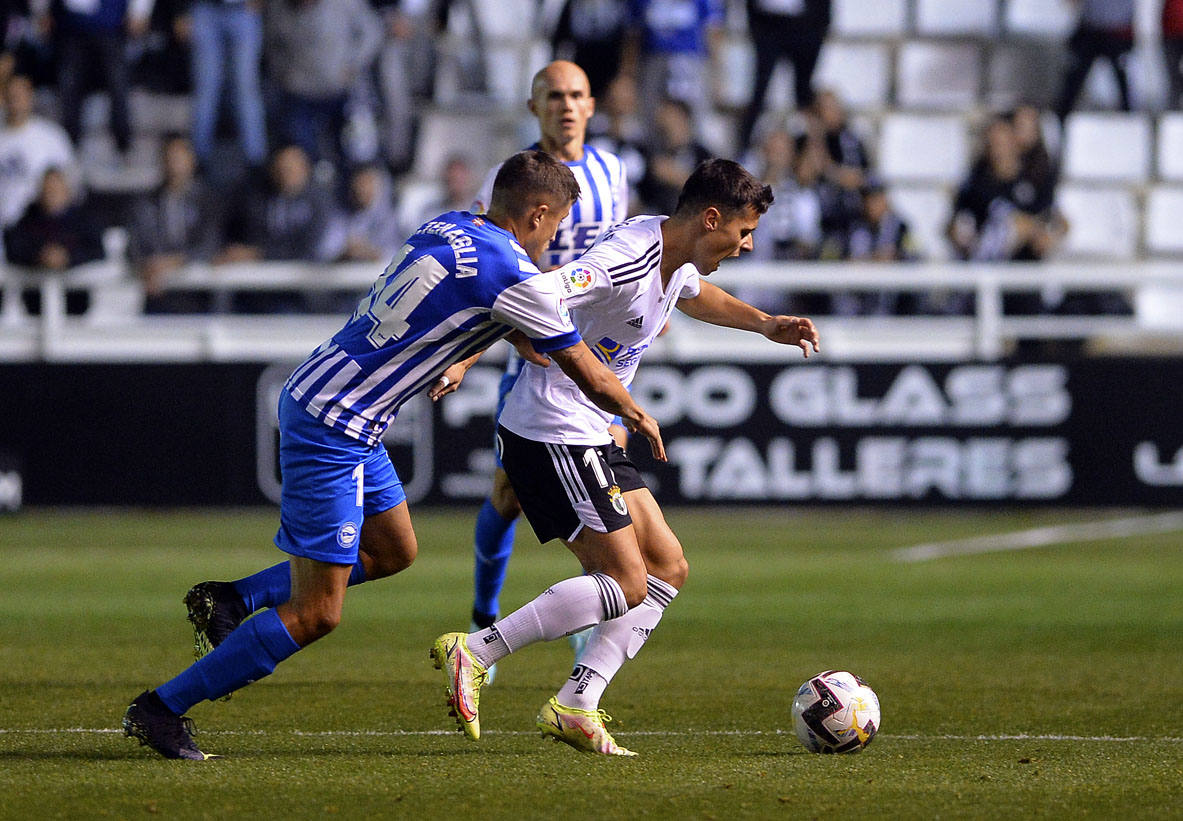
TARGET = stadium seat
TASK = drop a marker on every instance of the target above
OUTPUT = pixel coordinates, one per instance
(1022, 71)
(1170, 147)
(860, 73)
(1163, 229)
(870, 18)
(1102, 222)
(936, 75)
(160, 113)
(923, 148)
(926, 210)
(1104, 147)
(504, 19)
(415, 196)
(946, 17)
(483, 139)
(1051, 19)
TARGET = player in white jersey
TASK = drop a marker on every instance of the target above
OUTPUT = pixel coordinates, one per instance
(576, 484)
(459, 283)
(561, 101)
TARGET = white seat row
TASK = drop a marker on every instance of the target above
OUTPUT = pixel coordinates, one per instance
(1097, 148)
(877, 18)
(1105, 222)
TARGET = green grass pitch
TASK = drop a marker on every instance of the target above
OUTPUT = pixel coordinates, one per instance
(1044, 682)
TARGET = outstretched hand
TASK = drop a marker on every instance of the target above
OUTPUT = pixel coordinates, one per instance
(793, 330)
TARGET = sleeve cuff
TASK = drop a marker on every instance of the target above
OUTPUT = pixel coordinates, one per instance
(556, 343)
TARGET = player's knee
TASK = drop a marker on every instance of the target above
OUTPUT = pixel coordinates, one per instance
(676, 572)
(394, 558)
(317, 622)
(635, 588)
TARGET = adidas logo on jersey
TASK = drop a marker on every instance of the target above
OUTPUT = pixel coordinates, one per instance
(636, 321)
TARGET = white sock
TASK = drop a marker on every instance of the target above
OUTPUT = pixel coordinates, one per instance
(611, 644)
(564, 608)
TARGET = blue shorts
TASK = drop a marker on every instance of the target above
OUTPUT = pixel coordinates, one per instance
(331, 482)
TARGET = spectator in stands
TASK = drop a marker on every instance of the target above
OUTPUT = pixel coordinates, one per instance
(468, 56)
(669, 52)
(317, 51)
(791, 30)
(617, 128)
(878, 234)
(96, 33)
(794, 226)
(29, 146)
(590, 33)
(366, 229)
(998, 215)
(55, 234)
(226, 38)
(1172, 50)
(174, 225)
(404, 75)
(781, 224)
(1105, 29)
(1038, 167)
(847, 162)
(458, 190)
(282, 216)
(672, 155)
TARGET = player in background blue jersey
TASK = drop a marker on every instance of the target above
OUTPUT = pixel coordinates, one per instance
(459, 283)
(561, 101)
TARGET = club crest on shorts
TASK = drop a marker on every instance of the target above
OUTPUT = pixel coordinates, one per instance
(617, 499)
(347, 534)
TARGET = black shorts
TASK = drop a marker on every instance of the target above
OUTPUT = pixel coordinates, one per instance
(563, 488)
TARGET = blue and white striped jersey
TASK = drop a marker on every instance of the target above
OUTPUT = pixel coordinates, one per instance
(458, 284)
(603, 202)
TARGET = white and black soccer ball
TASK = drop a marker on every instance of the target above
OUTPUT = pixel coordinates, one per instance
(835, 712)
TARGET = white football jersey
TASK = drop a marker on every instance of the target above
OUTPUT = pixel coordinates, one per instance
(616, 301)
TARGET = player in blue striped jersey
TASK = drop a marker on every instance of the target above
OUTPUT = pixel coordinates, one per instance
(459, 283)
(561, 101)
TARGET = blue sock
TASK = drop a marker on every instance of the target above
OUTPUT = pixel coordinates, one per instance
(248, 654)
(273, 586)
(494, 545)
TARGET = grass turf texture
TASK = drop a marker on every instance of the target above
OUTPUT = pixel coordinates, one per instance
(1075, 650)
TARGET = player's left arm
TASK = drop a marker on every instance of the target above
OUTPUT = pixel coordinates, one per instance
(714, 305)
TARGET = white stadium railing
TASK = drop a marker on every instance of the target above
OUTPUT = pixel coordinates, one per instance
(115, 329)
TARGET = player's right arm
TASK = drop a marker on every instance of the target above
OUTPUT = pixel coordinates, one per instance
(534, 306)
(602, 387)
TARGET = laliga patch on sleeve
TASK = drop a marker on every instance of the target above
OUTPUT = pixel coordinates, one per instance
(576, 279)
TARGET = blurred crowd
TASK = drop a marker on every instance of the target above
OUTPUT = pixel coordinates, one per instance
(304, 115)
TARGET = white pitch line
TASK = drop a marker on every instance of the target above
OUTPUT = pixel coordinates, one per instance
(1044, 537)
(658, 733)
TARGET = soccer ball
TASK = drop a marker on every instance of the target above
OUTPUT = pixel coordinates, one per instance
(835, 712)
